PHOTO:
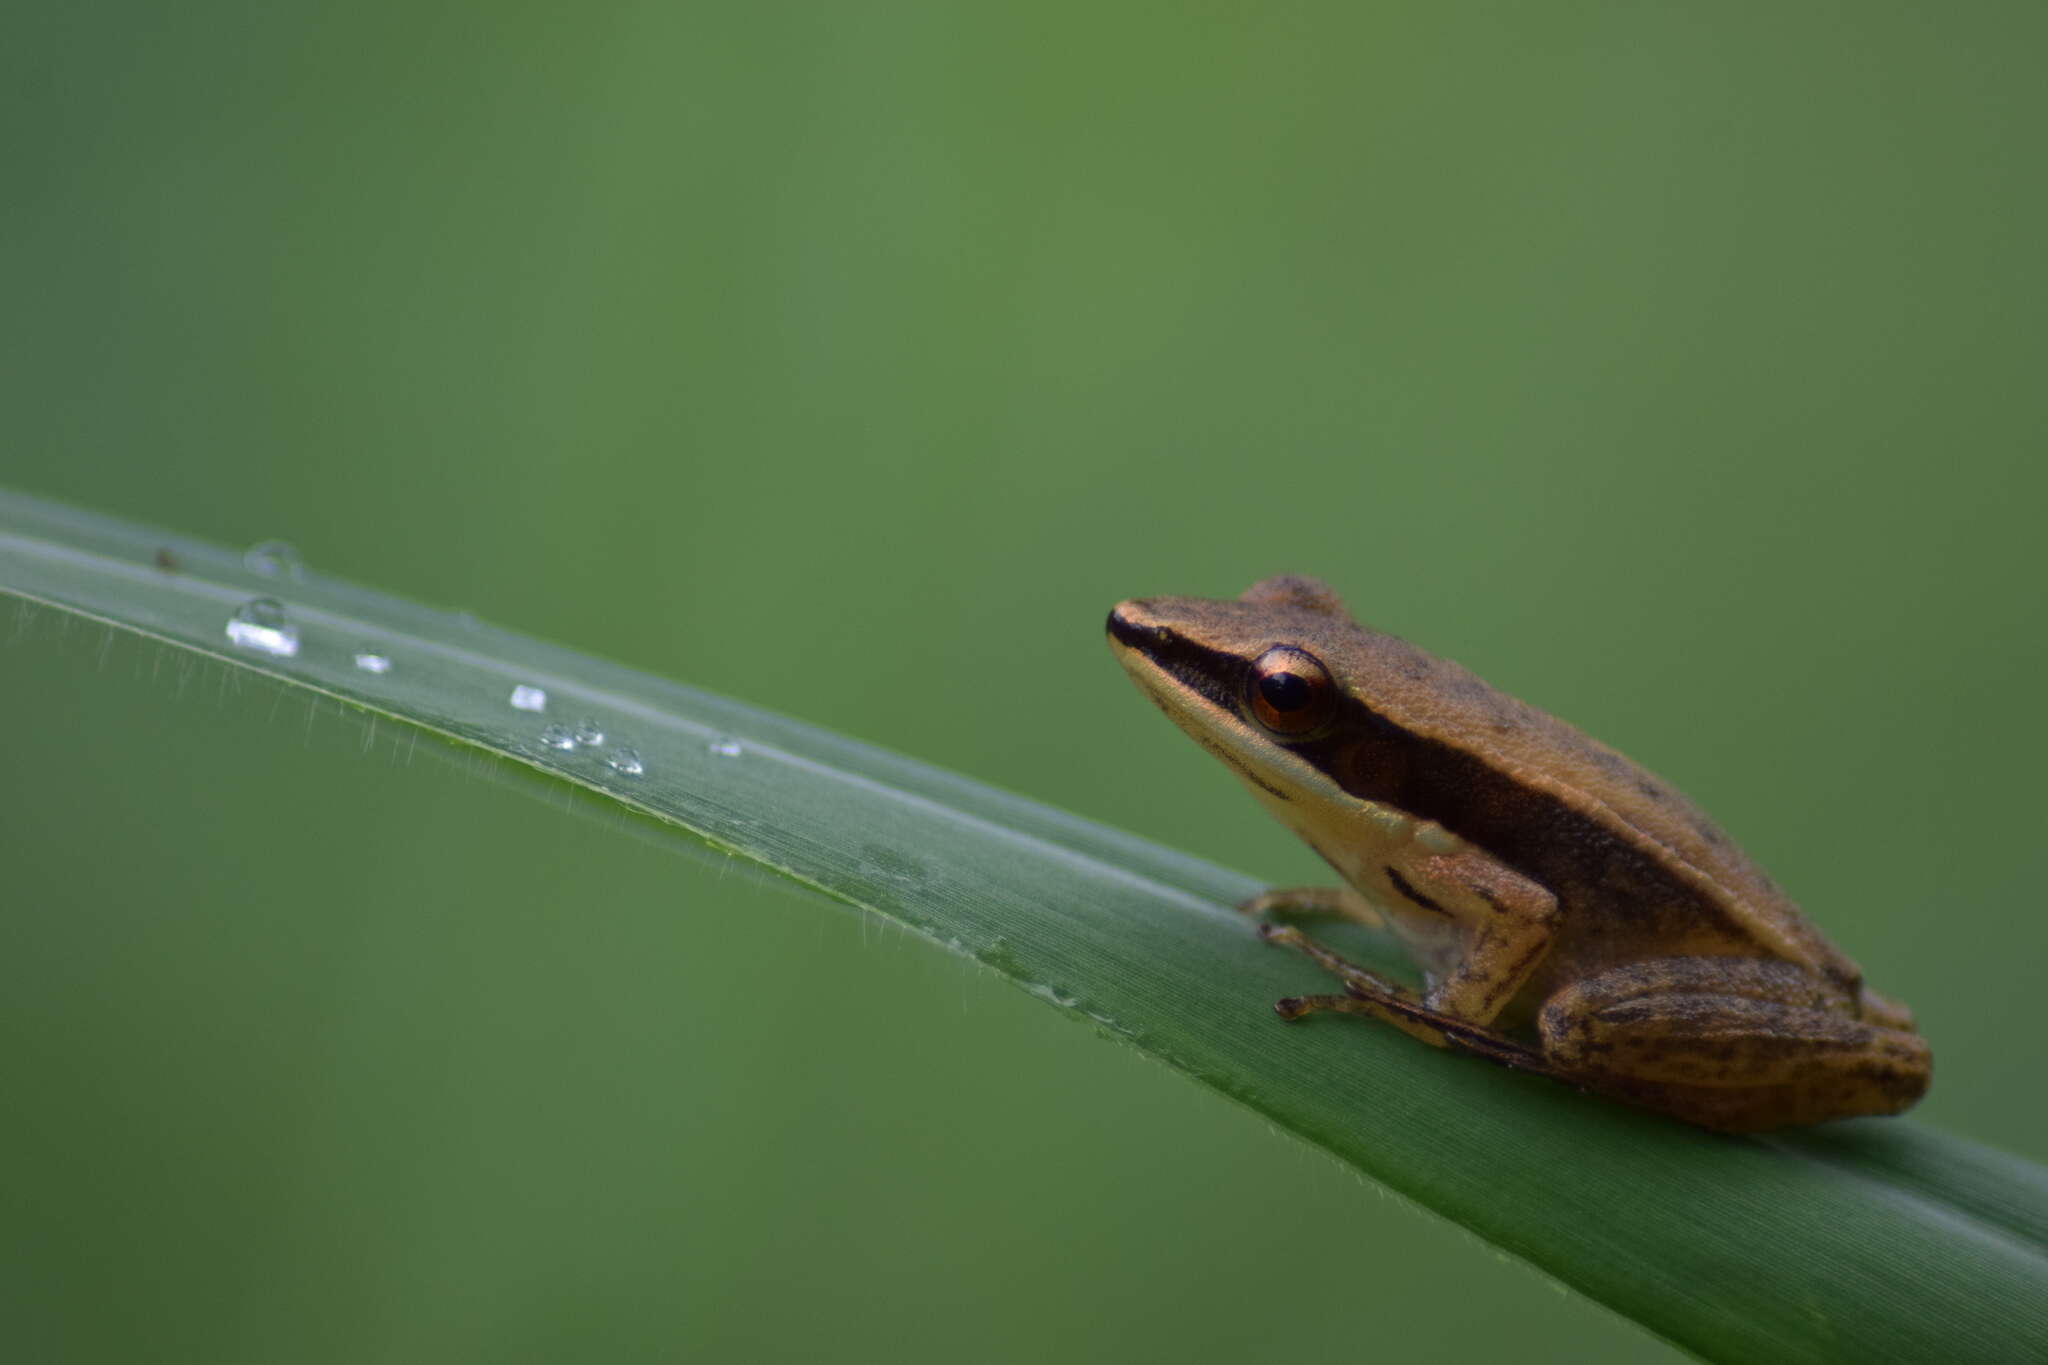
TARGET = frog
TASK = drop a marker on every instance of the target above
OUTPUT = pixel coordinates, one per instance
(1569, 913)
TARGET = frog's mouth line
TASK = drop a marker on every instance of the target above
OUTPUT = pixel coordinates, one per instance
(1212, 674)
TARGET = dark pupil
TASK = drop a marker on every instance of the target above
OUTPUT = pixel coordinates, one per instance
(1285, 691)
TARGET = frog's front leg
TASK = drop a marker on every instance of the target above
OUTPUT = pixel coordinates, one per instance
(1494, 924)
(1732, 1043)
(1368, 993)
(1503, 922)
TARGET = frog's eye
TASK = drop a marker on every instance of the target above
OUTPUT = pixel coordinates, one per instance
(1289, 691)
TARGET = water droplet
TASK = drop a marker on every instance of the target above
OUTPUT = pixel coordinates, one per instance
(558, 737)
(261, 624)
(725, 746)
(626, 761)
(372, 662)
(589, 733)
(275, 559)
(526, 698)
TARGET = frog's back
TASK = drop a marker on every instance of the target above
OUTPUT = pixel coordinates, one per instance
(1586, 820)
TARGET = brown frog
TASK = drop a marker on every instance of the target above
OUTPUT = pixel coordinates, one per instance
(1572, 914)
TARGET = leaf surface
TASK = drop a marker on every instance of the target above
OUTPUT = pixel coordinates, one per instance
(1866, 1241)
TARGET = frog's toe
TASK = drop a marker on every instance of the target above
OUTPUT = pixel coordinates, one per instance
(1311, 902)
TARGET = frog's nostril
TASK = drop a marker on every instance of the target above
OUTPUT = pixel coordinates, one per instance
(1127, 625)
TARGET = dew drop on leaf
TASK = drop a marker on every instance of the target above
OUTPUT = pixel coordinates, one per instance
(260, 624)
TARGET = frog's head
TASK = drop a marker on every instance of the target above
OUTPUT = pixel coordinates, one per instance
(1307, 707)
(1261, 682)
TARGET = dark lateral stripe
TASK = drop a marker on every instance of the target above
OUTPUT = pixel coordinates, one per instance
(1436, 781)
(1401, 885)
(1544, 836)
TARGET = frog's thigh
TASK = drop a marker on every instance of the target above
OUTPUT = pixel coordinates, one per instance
(1718, 1023)
(1336, 902)
(1510, 919)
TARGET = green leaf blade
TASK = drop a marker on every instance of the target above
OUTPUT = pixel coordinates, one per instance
(1864, 1241)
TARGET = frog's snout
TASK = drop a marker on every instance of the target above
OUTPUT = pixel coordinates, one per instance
(1133, 624)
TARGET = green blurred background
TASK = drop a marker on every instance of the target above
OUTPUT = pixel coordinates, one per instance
(1675, 366)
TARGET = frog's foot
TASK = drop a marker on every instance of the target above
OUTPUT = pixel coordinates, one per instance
(1368, 993)
(1314, 902)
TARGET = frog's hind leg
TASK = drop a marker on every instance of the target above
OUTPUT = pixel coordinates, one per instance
(1367, 992)
(1731, 1044)
(1314, 902)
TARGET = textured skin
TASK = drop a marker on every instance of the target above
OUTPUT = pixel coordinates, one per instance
(1524, 863)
